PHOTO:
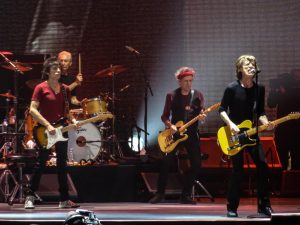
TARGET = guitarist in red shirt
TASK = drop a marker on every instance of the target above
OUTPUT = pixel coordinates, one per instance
(183, 104)
(48, 104)
(239, 100)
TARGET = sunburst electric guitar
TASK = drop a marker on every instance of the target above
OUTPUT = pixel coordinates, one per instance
(46, 140)
(168, 141)
(232, 144)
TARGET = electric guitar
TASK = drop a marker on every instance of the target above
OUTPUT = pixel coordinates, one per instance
(232, 144)
(168, 141)
(46, 140)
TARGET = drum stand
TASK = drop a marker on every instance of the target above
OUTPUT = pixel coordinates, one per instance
(5, 179)
(7, 175)
(13, 158)
(15, 76)
(116, 150)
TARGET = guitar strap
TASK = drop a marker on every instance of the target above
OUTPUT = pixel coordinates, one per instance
(186, 112)
(67, 106)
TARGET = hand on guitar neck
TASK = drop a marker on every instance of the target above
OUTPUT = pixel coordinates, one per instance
(170, 138)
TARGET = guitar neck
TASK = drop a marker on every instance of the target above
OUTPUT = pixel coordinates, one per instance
(80, 123)
(211, 108)
(252, 131)
(192, 121)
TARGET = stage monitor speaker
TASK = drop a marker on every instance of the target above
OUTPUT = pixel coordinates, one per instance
(285, 218)
(173, 183)
(216, 158)
(49, 186)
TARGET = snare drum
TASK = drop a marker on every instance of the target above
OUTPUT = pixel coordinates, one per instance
(84, 143)
(94, 106)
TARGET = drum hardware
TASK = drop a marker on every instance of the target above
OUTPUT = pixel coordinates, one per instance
(21, 67)
(78, 114)
(8, 95)
(84, 143)
(112, 71)
(17, 68)
(94, 106)
(124, 88)
(84, 162)
(106, 96)
(6, 53)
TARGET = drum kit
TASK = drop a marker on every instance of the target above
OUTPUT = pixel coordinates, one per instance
(95, 141)
(92, 142)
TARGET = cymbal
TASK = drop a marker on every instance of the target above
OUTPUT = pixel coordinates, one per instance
(21, 66)
(6, 53)
(32, 83)
(108, 72)
(7, 95)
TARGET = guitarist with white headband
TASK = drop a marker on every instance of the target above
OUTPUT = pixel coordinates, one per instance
(49, 103)
(182, 104)
(240, 100)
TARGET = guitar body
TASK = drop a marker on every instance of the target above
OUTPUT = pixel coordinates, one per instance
(232, 144)
(44, 139)
(168, 141)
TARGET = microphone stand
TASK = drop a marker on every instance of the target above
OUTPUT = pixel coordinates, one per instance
(256, 105)
(147, 87)
(16, 71)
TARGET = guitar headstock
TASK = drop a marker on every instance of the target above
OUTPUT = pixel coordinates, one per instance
(213, 107)
(294, 115)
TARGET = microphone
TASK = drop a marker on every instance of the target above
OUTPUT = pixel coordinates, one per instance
(131, 49)
(255, 71)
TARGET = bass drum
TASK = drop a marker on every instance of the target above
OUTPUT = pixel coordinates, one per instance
(84, 143)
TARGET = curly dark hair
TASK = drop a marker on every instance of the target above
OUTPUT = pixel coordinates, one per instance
(50, 62)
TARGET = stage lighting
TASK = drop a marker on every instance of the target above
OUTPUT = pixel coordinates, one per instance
(137, 143)
(82, 217)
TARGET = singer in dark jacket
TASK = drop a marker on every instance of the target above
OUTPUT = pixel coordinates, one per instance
(240, 100)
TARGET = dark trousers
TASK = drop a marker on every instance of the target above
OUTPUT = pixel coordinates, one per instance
(192, 146)
(262, 174)
(61, 166)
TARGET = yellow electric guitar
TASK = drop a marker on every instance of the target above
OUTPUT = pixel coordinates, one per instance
(46, 140)
(168, 141)
(232, 144)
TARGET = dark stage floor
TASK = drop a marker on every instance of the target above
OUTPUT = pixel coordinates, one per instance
(205, 212)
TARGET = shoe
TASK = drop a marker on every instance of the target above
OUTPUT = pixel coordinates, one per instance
(232, 213)
(266, 211)
(187, 200)
(158, 198)
(67, 204)
(29, 202)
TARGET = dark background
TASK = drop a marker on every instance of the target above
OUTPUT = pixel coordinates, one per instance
(206, 34)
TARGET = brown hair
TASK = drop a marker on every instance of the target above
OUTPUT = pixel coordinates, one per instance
(240, 62)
